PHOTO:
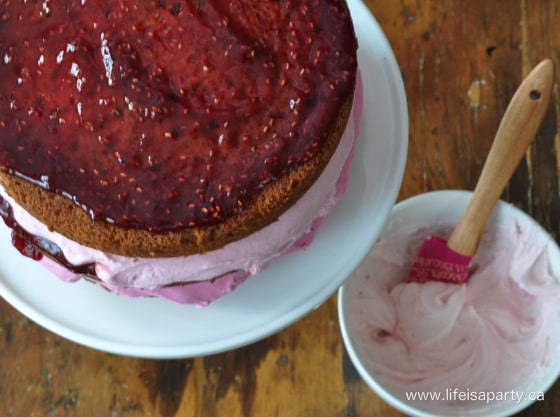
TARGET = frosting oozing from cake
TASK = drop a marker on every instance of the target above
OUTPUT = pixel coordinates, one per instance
(163, 115)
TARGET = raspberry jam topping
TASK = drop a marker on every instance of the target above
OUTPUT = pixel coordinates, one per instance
(168, 114)
(35, 247)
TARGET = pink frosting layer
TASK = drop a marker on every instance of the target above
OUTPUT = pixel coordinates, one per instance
(492, 335)
(215, 273)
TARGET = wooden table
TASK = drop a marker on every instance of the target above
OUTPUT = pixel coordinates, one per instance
(461, 62)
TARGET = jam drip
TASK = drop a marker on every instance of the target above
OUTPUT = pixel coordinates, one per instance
(36, 247)
(163, 115)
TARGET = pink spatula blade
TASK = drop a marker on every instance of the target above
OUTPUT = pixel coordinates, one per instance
(437, 262)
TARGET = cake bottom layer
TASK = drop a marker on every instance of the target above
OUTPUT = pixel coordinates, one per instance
(198, 279)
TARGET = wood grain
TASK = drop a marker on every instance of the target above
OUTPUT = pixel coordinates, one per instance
(460, 61)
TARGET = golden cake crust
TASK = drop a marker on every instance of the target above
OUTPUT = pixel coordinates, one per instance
(61, 215)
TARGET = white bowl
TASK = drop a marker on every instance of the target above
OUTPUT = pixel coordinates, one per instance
(357, 300)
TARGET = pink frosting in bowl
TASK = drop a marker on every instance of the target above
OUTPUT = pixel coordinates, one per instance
(488, 348)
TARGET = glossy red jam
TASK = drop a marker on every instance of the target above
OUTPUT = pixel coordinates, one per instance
(168, 114)
(35, 247)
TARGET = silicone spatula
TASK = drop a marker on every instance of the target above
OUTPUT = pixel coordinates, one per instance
(448, 261)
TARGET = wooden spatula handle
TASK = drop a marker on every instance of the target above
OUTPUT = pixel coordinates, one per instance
(515, 133)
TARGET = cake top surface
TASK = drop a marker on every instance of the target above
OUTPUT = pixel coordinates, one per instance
(168, 114)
